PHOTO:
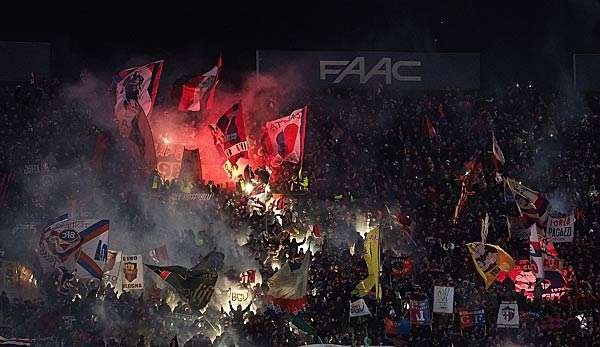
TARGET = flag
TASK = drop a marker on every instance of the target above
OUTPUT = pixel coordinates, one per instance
(529, 202)
(395, 328)
(160, 254)
(430, 128)
(135, 86)
(498, 155)
(443, 299)
(561, 228)
(471, 318)
(141, 144)
(283, 138)
(248, 277)
(407, 226)
(485, 224)
(229, 133)
(191, 168)
(79, 246)
(535, 253)
(316, 231)
(5, 179)
(15, 342)
(359, 308)
(198, 92)
(132, 274)
(194, 286)
(419, 312)
(489, 260)
(287, 287)
(112, 270)
(467, 181)
(371, 256)
(301, 324)
(508, 315)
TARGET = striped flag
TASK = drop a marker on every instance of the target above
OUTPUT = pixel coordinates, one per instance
(198, 92)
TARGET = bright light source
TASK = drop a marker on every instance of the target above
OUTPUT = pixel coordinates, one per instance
(249, 188)
(529, 86)
(166, 141)
(517, 85)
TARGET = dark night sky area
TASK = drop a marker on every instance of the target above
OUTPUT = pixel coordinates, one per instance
(518, 40)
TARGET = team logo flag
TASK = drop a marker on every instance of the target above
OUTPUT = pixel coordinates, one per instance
(489, 260)
(535, 253)
(132, 272)
(134, 87)
(196, 286)
(283, 138)
(508, 315)
(198, 92)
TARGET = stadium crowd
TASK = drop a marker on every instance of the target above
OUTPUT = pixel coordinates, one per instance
(366, 151)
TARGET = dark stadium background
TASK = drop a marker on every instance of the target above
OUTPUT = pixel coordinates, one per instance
(519, 40)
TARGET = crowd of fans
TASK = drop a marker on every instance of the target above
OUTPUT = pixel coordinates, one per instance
(367, 152)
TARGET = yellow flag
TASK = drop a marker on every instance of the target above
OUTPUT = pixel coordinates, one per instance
(489, 260)
(372, 259)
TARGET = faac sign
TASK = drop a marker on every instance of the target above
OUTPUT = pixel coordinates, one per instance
(314, 69)
(338, 70)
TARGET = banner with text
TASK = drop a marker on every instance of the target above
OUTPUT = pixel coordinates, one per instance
(561, 229)
(399, 70)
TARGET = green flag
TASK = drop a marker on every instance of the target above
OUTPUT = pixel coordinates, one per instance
(299, 322)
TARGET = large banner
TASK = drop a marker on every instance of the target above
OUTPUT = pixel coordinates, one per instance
(132, 272)
(112, 270)
(561, 229)
(471, 318)
(317, 69)
(443, 299)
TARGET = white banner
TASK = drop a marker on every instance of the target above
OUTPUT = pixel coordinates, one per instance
(443, 299)
(359, 308)
(561, 229)
(132, 274)
(508, 315)
(112, 270)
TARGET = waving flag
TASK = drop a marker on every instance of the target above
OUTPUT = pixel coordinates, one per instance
(535, 253)
(498, 155)
(471, 176)
(194, 286)
(490, 260)
(229, 133)
(372, 259)
(79, 246)
(283, 138)
(529, 202)
(198, 92)
(135, 86)
(287, 287)
(141, 144)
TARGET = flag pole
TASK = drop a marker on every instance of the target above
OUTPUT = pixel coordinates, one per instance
(302, 135)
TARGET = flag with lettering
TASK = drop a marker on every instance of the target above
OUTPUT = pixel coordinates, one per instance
(561, 228)
(419, 312)
(229, 134)
(132, 272)
(283, 138)
(359, 308)
(471, 318)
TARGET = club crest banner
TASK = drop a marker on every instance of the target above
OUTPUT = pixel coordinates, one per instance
(132, 272)
(443, 299)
